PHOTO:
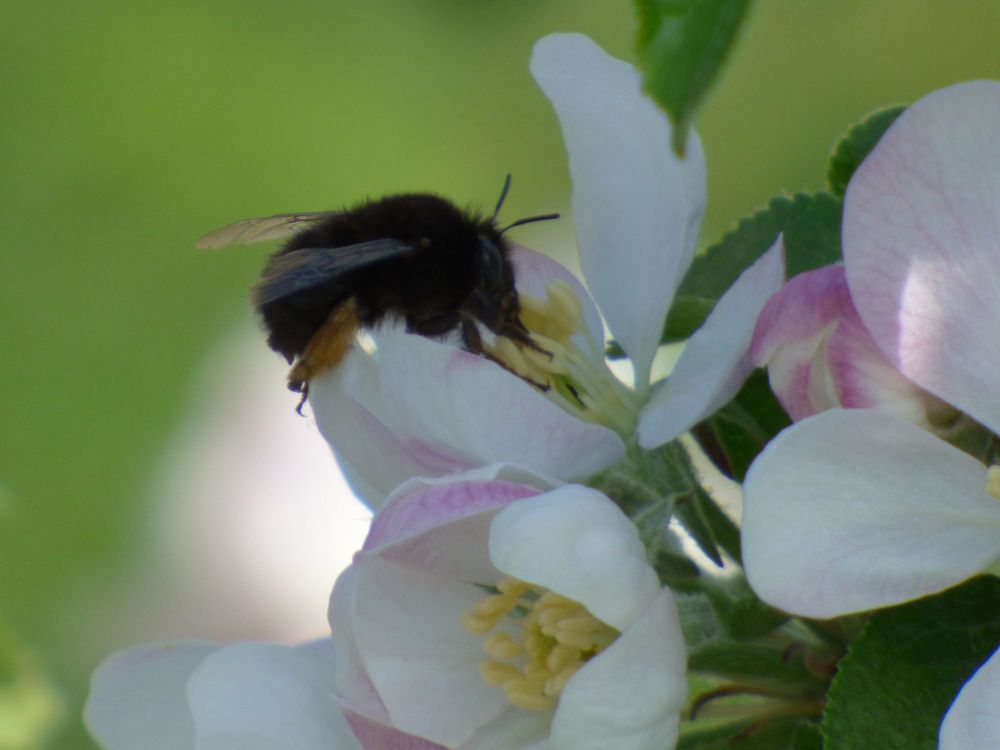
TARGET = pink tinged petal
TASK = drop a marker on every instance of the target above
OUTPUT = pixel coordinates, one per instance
(578, 543)
(421, 660)
(260, 696)
(631, 695)
(921, 233)
(376, 736)
(637, 207)
(454, 547)
(425, 408)
(138, 700)
(973, 721)
(716, 360)
(819, 355)
(534, 272)
(425, 507)
(855, 509)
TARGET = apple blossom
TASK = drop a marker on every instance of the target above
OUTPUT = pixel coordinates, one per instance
(851, 510)
(531, 616)
(413, 407)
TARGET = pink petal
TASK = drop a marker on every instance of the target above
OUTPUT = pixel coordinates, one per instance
(819, 355)
(855, 509)
(921, 234)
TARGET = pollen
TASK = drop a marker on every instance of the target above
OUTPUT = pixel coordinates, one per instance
(568, 365)
(539, 640)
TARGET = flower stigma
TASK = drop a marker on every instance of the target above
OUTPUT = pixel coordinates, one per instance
(577, 380)
(536, 640)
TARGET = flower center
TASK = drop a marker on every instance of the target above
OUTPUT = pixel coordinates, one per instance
(577, 379)
(536, 641)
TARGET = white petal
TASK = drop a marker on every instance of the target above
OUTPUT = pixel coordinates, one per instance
(261, 696)
(637, 207)
(973, 721)
(138, 700)
(716, 360)
(631, 695)
(854, 509)
(921, 232)
(422, 411)
(578, 543)
(420, 658)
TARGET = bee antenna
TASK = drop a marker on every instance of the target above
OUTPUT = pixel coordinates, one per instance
(503, 197)
(530, 220)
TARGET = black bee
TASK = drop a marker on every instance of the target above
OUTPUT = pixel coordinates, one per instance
(412, 257)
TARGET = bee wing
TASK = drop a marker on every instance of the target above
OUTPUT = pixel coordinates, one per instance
(265, 228)
(291, 272)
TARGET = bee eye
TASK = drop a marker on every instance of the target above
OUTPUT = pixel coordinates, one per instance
(491, 269)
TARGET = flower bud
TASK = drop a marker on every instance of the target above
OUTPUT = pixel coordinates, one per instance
(819, 355)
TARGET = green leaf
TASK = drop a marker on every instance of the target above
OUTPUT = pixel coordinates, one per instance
(652, 487)
(808, 737)
(899, 677)
(743, 616)
(734, 436)
(682, 45)
(811, 226)
(853, 147)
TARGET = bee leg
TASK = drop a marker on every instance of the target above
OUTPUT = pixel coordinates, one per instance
(434, 327)
(302, 401)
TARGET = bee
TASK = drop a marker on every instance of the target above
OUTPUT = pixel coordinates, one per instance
(412, 257)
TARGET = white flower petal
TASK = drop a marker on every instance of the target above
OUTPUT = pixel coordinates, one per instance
(855, 509)
(631, 695)
(716, 360)
(637, 207)
(260, 696)
(921, 232)
(138, 700)
(422, 411)
(578, 543)
(420, 658)
(973, 721)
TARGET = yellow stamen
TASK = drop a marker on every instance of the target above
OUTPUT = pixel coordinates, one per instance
(546, 639)
(578, 379)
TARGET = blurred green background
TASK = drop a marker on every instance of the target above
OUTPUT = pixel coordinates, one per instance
(127, 129)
